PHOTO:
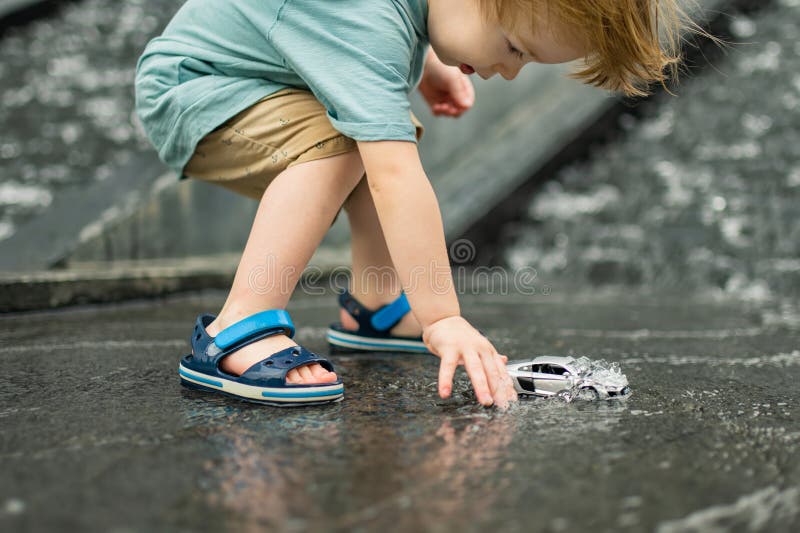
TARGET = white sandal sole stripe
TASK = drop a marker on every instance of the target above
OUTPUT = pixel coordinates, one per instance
(346, 340)
(297, 395)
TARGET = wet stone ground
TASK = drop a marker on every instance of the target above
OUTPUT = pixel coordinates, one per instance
(97, 434)
(702, 192)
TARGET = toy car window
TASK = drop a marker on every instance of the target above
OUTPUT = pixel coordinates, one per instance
(536, 368)
(558, 370)
(526, 368)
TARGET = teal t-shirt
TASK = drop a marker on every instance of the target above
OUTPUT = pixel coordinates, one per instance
(360, 59)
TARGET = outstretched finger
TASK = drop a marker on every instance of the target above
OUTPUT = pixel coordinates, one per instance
(496, 370)
(477, 375)
(492, 375)
(510, 392)
(447, 369)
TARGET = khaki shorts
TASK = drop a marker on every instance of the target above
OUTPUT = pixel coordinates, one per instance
(282, 130)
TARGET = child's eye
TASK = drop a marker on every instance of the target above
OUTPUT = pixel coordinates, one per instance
(514, 50)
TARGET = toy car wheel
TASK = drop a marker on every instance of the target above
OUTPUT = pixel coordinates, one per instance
(565, 395)
(588, 393)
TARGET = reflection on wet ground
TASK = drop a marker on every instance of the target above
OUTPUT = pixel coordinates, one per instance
(703, 191)
(94, 419)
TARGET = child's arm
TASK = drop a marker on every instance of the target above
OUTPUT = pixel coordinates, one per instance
(412, 225)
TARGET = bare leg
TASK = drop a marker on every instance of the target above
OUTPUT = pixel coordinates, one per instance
(374, 281)
(292, 218)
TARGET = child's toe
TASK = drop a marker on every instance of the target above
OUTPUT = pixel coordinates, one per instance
(321, 375)
(305, 374)
(310, 375)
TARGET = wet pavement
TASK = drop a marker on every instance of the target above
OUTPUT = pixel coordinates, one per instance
(97, 434)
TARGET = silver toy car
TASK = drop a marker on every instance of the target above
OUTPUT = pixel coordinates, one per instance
(551, 375)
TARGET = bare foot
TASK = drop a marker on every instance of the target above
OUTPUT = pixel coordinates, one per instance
(245, 357)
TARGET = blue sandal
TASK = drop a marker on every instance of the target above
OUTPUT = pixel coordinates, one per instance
(373, 328)
(265, 381)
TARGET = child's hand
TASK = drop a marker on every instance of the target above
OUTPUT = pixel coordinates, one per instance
(447, 90)
(456, 342)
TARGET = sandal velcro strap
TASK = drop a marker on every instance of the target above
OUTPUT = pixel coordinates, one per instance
(377, 321)
(276, 320)
(374, 328)
(390, 314)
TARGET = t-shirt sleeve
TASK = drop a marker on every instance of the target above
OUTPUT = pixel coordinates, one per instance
(355, 64)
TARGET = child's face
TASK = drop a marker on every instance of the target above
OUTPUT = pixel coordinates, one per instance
(461, 37)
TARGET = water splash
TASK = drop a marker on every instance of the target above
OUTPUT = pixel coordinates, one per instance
(595, 379)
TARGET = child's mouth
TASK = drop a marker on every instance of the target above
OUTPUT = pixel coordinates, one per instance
(466, 69)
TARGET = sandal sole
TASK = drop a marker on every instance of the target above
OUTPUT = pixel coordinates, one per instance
(288, 397)
(356, 343)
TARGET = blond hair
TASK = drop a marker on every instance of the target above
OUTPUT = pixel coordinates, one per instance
(631, 43)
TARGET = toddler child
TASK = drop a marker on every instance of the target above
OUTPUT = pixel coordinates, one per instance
(303, 106)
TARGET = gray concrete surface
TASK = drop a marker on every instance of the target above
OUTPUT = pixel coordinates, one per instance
(97, 434)
(101, 282)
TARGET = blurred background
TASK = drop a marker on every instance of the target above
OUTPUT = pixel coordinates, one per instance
(663, 233)
(694, 190)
